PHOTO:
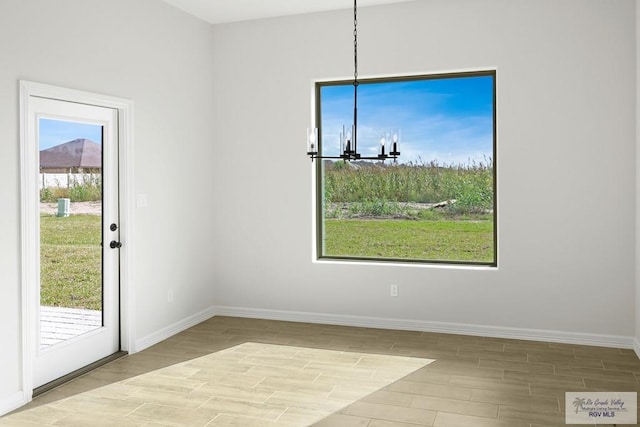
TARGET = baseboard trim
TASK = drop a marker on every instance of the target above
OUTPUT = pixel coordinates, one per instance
(615, 341)
(636, 347)
(13, 402)
(169, 331)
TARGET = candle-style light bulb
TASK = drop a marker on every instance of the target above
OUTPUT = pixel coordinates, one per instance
(395, 142)
(312, 140)
(343, 141)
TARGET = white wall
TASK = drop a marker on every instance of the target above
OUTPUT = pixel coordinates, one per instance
(162, 59)
(566, 165)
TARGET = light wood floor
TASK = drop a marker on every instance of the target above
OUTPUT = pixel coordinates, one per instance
(211, 375)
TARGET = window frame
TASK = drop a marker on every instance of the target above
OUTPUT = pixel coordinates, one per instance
(319, 178)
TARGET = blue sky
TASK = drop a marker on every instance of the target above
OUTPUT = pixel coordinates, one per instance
(56, 132)
(448, 120)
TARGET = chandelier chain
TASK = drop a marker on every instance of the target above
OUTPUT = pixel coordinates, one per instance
(355, 42)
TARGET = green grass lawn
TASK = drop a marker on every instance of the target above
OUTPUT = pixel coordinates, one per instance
(444, 240)
(70, 261)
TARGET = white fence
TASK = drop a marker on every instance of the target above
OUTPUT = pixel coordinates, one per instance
(65, 180)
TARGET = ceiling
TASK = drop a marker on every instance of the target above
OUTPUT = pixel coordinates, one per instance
(222, 11)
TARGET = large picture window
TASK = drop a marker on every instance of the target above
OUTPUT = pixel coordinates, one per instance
(437, 202)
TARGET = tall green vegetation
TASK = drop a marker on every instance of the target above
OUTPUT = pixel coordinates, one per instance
(87, 189)
(361, 188)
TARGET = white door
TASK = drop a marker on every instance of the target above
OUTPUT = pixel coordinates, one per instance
(77, 305)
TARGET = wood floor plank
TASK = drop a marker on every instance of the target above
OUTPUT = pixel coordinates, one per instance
(250, 372)
(400, 414)
(445, 419)
(464, 407)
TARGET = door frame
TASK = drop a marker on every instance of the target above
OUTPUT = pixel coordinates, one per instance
(30, 209)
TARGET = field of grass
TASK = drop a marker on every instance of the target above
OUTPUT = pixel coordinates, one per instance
(460, 231)
(446, 240)
(70, 261)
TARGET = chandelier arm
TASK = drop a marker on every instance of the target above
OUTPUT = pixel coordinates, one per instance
(355, 157)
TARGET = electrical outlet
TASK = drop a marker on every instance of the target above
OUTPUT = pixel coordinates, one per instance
(394, 290)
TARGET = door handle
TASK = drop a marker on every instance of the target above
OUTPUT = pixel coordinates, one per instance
(115, 244)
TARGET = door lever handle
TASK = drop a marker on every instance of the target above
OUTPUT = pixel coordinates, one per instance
(113, 244)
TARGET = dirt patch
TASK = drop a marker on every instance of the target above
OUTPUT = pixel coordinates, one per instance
(406, 210)
(87, 208)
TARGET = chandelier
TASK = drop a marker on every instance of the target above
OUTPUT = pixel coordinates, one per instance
(389, 141)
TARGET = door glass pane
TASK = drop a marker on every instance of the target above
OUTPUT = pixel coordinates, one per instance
(71, 291)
